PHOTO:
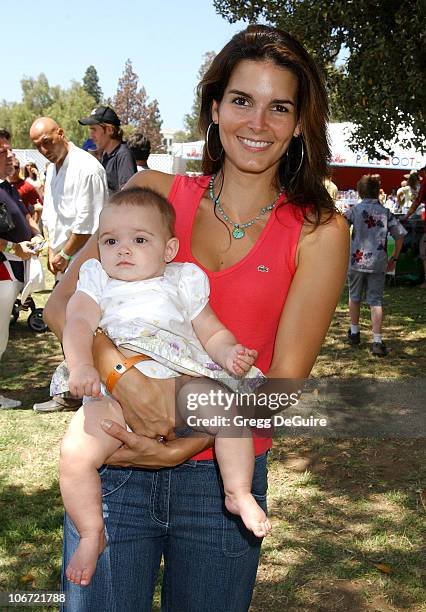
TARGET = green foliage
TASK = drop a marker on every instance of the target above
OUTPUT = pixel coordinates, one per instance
(152, 127)
(180, 136)
(193, 165)
(17, 118)
(91, 84)
(65, 106)
(191, 119)
(36, 93)
(72, 104)
(382, 85)
(127, 130)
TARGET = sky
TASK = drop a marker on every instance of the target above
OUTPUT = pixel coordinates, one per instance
(165, 39)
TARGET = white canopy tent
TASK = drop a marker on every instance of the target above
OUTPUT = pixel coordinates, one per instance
(402, 159)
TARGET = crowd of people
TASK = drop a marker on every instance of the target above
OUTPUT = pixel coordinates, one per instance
(231, 258)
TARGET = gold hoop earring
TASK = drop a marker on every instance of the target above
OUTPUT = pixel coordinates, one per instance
(207, 144)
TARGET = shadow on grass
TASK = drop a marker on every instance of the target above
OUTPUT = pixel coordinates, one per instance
(31, 541)
(404, 331)
(339, 508)
(30, 538)
(28, 364)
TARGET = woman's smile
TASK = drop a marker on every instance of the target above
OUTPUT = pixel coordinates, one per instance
(257, 145)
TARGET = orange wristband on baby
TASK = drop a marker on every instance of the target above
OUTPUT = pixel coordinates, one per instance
(121, 368)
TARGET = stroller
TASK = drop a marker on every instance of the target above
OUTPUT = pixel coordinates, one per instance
(34, 281)
(35, 320)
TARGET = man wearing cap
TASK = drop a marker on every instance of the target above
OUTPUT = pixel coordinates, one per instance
(106, 133)
(420, 199)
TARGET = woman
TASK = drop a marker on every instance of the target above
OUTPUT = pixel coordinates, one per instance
(31, 175)
(15, 247)
(273, 259)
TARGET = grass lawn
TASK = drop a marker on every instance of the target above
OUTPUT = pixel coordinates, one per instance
(348, 515)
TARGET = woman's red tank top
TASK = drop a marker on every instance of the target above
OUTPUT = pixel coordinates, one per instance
(249, 296)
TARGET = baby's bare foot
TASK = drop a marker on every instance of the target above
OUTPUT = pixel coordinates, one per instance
(82, 564)
(251, 513)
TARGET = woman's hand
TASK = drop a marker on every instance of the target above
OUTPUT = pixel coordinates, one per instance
(140, 451)
(148, 404)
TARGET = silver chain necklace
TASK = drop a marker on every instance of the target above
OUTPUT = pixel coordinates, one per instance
(239, 228)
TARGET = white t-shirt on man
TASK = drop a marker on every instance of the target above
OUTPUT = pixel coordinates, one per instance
(73, 197)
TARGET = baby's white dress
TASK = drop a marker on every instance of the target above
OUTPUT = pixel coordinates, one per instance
(154, 317)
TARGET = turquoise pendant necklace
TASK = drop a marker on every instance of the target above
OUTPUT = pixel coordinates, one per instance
(239, 228)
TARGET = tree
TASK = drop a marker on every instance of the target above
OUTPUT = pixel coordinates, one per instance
(91, 84)
(37, 94)
(180, 136)
(17, 118)
(132, 106)
(68, 108)
(382, 87)
(65, 106)
(129, 102)
(152, 127)
(191, 119)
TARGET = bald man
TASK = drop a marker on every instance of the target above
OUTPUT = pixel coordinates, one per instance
(76, 189)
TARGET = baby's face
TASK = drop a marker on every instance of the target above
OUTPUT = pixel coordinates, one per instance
(134, 243)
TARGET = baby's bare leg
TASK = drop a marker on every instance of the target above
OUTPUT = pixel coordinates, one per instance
(84, 448)
(233, 446)
(236, 462)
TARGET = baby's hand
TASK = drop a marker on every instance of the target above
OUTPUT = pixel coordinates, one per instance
(239, 359)
(84, 380)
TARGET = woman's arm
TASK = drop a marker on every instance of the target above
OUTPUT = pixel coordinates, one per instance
(54, 311)
(160, 181)
(154, 454)
(147, 403)
(149, 414)
(322, 261)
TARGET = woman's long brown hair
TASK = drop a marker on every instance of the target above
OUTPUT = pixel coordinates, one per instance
(264, 43)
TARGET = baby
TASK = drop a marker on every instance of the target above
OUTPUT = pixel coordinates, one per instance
(158, 309)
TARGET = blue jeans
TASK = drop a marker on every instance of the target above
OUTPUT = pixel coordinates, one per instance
(210, 559)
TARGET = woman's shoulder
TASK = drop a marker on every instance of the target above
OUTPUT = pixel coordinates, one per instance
(159, 181)
(170, 185)
(331, 235)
